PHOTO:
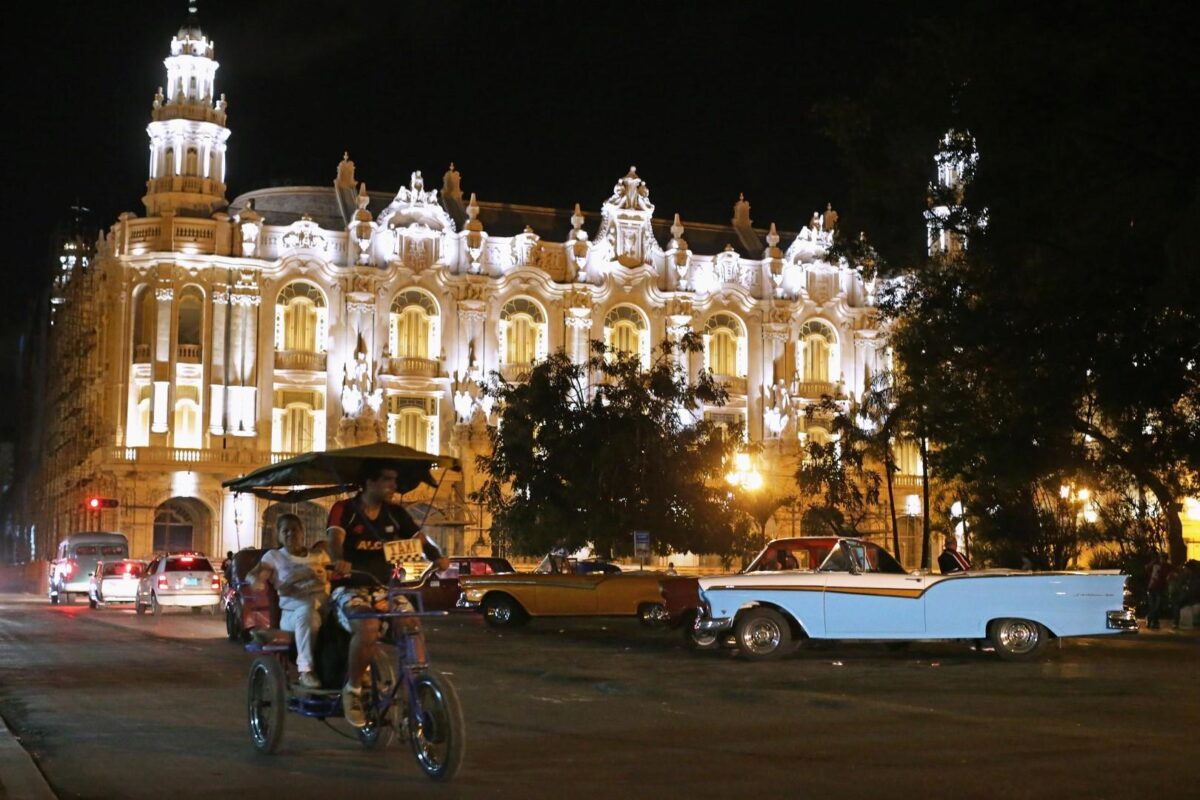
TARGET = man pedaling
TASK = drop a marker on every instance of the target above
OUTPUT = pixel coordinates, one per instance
(357, 529)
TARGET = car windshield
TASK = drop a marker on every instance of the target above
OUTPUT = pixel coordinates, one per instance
(121, 568)
(86, 550)
(112, 550)
(188, 564)
(861, 557)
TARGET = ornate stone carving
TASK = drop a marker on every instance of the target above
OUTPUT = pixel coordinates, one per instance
(164, 293)
(304, 234)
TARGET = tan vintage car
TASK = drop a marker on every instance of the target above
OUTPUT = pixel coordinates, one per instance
(564, 587)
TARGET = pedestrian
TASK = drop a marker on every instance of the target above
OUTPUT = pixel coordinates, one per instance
(1156, 589)
(951, 560)
(671, 568)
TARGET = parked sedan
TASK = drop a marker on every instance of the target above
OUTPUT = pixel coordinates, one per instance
(861, 592)
(186, 580)
(557, 589)
(115, 582)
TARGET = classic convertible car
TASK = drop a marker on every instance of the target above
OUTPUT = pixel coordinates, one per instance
(861, 592)
(559, 588)
(681, 595)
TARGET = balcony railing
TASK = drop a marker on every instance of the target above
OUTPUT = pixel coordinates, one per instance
(515, 373)
(188, 353)
(733, 384)
(411, 367)
(815, 389)
(185, 455)
(185, 234)
(300, 360)
(141, 354)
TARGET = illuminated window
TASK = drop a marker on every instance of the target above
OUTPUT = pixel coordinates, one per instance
(413, 325)
(187, 424)
(412, 422)
(817, 344)
(725, 345)
(297, 433)
(522, 332)
(626, 331)
(300, 318)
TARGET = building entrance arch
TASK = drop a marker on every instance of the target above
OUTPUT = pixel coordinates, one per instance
(181, 524)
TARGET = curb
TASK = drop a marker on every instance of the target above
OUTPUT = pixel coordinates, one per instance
(20, 779)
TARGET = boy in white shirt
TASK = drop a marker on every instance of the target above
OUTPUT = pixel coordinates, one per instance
(299, 578)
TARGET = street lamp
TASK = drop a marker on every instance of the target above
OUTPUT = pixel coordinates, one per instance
(743, 475)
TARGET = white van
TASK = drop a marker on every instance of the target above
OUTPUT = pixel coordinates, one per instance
(75, 561)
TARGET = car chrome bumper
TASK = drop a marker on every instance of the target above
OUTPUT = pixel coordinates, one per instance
(706, 625)
(188, 600)
(463, 602)
(1123, 620)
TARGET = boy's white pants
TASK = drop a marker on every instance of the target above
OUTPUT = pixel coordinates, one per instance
(301, 617)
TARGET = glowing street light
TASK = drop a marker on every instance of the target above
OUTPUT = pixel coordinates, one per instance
(743, 475)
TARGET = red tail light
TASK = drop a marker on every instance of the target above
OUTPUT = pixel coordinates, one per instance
(216, 581)
(162, 581)
(69, 568)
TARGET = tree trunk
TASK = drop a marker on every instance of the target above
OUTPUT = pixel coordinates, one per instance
(926, 556)
(888, 469)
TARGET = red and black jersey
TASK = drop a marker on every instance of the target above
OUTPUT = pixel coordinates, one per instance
(363, 547)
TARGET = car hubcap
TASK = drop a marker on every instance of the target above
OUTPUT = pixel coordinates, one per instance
(501, 613)
(761, 637)
(1019, 636)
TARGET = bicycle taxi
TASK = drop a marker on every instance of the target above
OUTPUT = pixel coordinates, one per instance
(403, 696)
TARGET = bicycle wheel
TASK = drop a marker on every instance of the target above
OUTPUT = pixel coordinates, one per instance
(266, 703)
(377, 695)
(437, 730)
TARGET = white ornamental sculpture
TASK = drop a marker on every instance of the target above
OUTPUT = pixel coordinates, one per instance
(362, 402)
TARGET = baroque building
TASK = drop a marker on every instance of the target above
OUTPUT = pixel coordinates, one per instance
(209, 337)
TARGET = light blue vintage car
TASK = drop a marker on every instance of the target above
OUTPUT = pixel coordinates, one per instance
(861, 592)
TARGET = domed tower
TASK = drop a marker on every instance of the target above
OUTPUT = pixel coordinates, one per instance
(187, 130)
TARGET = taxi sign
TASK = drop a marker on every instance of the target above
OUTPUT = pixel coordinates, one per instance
(399, 550)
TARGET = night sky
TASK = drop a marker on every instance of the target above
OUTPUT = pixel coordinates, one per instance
(539, 103)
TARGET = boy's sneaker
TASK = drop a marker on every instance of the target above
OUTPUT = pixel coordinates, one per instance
(352, 706)
(309, 681)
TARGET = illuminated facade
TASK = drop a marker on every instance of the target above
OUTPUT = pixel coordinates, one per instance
(227, 334)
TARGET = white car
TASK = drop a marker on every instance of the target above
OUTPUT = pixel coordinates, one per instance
(861, 592)
(186, 580)
(115, 582)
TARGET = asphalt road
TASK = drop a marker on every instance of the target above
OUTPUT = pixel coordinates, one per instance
(112, 705)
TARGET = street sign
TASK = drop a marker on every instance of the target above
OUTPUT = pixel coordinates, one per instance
(641, 544)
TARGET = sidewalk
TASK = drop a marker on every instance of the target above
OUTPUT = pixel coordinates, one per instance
(20, 779)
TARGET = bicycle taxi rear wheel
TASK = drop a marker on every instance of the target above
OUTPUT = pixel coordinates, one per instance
(437, 731)
(266, 703)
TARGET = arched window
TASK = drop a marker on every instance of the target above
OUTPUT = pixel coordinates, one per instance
(169, 162)
(143, 321)
(414, 329)
(174, 529)
(191, 164)
(522, 332)
(816, 357)
(300, 318)
(191, 316)
(627, 331)
(725, 345)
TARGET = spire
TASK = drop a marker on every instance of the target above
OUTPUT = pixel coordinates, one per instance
(188, 129)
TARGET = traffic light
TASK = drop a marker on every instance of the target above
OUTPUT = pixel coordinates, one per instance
(97, 503)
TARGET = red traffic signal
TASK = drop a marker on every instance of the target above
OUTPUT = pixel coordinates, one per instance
(97, 503)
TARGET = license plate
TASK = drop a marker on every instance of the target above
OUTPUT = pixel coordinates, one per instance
(191, 581)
